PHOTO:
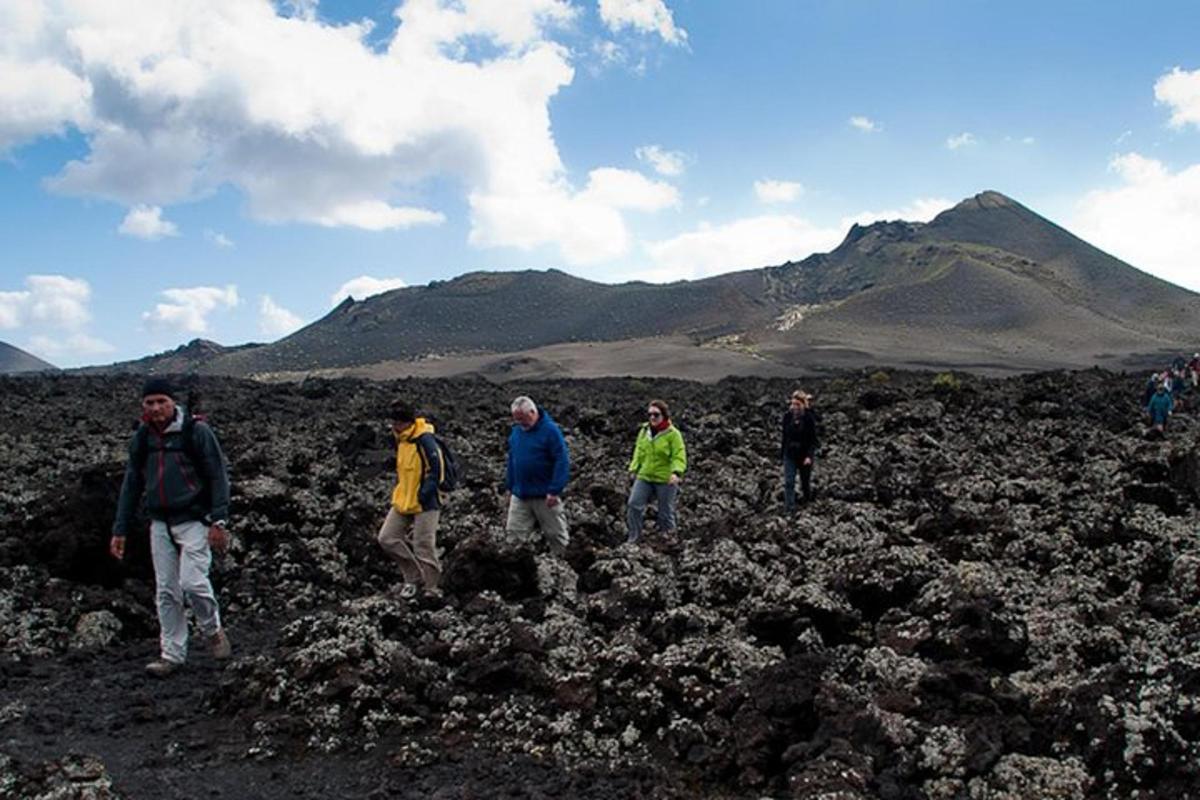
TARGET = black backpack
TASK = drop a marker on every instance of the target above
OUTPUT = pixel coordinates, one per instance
(451, 467)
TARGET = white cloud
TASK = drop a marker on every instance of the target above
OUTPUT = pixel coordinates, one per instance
(742, 244)
(865, 124)
(587, 226)
(52, 300)
(620, 188)
(1121, 139)
(146, 222)
(644, 16)
(364, 286)
(217, 238)
(59, 301)
(38, 97)
(309, 120)
(961, 140)
(376, 215)
(1152, 221)
(920, 210)
(1181, 91)
(188, 309)
(275, 320)
(665, 162)
(763, 241)
(75, 346)
(772, 191)
(1028, 140)
(53, 309)
(12, 309)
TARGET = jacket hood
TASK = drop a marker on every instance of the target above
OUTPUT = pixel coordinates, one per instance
(418, 429)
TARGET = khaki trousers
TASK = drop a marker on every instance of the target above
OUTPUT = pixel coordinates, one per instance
(525, 515)
(411, 539)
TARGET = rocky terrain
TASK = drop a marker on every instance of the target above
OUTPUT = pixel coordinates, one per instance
(994, 595)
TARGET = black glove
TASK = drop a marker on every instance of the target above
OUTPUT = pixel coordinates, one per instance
(427, 494)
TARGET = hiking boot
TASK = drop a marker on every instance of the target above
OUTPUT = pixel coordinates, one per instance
(161, 668)
(219, 643)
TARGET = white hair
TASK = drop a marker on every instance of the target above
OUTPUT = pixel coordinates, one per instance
(524, 403)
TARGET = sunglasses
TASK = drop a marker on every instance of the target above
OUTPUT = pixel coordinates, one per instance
(654, 414)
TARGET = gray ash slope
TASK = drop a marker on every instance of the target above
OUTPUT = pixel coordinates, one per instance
(14, 360)
(988, 283)
(995, 596)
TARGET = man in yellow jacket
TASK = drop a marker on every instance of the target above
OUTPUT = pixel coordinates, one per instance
(409, 534)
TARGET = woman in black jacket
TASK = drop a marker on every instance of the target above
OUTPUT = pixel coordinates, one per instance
(798, 449)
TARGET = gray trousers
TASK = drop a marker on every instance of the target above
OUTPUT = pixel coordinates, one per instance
(416, 554)
(525, 515)
(664, 495)
(181, 560)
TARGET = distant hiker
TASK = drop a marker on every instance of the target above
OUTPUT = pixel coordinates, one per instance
(177, 469)
(799, 448)
(1159, 408)
(1193, 370)
(659, 461)
(1148, 390)
(537, 473)
(409, 533)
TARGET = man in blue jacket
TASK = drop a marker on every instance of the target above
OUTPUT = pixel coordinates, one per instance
(538, 468)
(176, 470)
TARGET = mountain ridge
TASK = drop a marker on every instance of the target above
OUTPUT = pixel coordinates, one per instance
(986, 281)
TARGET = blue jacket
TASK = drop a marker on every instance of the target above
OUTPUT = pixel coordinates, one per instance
(538, 463)
(1160, 407)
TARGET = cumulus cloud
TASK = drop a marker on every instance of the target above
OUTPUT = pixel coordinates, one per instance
(920, 210)
(644, 16)
(587, 226)
(364, 286)
(621, 188)
(763, 240)
(665, 162)
(12, 309)
(187, 310)
(54, 311)
(1181, 91)
(217, 238)
(864, 124)
(146, 222)
(742, 244)
(309, 120)
(74, 347)
(275, 320)
(1152, 220)
(772, 191)
(53, 300)
(964, 139)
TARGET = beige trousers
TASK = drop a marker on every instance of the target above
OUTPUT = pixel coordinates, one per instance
(525, 515)
(411, 539)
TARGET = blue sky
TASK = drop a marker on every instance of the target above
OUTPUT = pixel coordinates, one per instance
(227, 168)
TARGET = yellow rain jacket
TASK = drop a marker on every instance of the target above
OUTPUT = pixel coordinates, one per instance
(411, 468)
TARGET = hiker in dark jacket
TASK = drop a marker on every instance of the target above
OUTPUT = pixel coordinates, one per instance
(537, 472)
(798, 449)
(177, 470)
(1159, 408)
(409, 533)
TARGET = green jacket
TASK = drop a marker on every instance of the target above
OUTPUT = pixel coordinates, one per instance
(654, 459)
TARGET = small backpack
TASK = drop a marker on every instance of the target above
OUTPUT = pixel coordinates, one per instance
(452, 469)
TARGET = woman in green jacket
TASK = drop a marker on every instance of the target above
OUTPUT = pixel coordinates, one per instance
(659, 461)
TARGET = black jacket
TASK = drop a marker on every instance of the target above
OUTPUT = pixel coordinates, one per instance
(170, 485)
(799, 436)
